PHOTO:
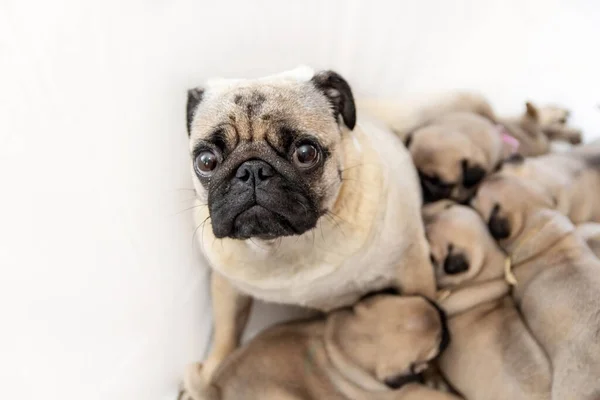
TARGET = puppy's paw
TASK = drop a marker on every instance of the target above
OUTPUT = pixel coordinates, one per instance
(184, 395)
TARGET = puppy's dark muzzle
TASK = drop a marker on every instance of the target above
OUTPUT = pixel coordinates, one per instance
(397, 382)
(434, 189)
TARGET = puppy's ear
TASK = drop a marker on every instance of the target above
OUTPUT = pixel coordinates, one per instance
(472, 175)
(499, 226)
(337, 90)
(193, 99)
(532, 111)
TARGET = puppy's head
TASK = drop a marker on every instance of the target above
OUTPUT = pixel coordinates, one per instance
(266, 152)
(453, 155)
(553, 114)
(527, 129)
(460, 243)
(392, 337)
(505, 201)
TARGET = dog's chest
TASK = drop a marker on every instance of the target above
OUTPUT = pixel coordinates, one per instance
(343, 286)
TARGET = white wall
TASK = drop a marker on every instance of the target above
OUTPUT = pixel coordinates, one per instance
(102, 293)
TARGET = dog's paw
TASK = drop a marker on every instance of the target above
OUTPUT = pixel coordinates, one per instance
(194, 386)
(184, 395)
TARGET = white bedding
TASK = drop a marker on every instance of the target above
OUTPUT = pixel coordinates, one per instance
(103, 295)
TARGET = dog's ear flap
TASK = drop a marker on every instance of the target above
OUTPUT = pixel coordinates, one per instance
(194, 97)
(532, 111)
(338, 91)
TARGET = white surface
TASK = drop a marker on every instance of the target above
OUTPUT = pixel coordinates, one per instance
(102, 293)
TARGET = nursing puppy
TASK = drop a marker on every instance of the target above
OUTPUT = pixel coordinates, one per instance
(297, 202)
(453, 153)
(570, 179)
(554, 124)
(404, 117)
(527, 130)
(375, 350)
(558, 280)
(492, 355)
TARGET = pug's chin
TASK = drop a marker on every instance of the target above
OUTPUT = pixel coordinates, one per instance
(261, 223)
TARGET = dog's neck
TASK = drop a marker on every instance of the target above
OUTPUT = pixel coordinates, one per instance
(346, 374)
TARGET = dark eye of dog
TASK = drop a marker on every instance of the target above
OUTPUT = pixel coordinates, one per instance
(306, 155)
(206, 162)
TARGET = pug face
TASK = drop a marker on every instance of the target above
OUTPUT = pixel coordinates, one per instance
(266, 153)
(393, 337)
(459, 242)
(453, 155)
(504, 201)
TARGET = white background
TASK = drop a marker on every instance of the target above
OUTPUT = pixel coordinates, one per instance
(102, 293)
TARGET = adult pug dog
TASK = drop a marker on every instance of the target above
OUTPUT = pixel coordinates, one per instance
(297, 202)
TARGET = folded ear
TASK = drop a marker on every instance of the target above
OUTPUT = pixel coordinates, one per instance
(337, 90)
(193, 99)
(532, 111)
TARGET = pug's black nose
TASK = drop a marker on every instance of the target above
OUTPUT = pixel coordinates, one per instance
(254, 172)
(455, 264)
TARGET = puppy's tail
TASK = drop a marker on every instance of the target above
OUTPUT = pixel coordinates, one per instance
(404, 116)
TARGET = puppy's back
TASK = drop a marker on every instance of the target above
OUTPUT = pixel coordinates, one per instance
(277, 363)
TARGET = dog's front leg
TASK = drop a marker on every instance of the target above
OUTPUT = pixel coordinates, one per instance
(231, 310)
(416, 275)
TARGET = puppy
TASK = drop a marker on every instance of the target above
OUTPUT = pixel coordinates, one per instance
(375, 350)
(453, 153)
(554, 124)
(297, 202)
(590, 232)
(405, 117)
(570, 179)
(558, 279)
(492, 355)
(527, 130)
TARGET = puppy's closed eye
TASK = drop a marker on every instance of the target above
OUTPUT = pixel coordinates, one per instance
(472, 175)
(499, 226)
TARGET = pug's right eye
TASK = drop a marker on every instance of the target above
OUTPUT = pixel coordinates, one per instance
(306, 155)
(206, 162)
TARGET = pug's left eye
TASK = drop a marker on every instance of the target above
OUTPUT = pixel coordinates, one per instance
(306, 155)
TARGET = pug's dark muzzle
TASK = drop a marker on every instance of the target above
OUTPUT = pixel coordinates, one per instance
(258, 201)
(434, 189)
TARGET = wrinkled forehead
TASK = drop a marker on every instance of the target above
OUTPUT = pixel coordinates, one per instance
(256, 109)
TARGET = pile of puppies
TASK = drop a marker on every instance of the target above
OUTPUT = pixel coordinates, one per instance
(511, 228)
